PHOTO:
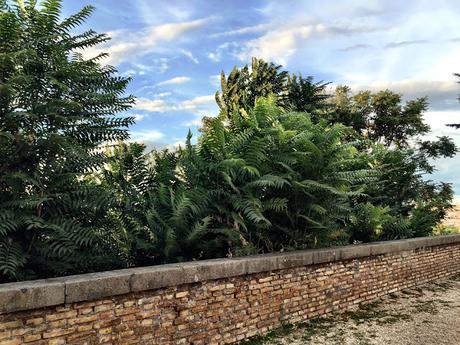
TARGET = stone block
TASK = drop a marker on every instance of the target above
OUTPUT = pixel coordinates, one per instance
(31, 294)
(92, 286)
(156, 277)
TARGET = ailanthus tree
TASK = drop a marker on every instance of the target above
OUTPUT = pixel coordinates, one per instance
(241, 88)
(157, 215)
(391, 135)
(56, 109)
(276, 179)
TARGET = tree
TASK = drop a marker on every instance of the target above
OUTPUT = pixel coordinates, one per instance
(158, 217)
(388, 133)
(306, 96)
(242, 87)
(456, 125)
(395, 147)
(276, 178)
(56, 109)
(380, 116)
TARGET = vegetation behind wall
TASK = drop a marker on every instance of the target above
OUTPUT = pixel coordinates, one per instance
(285, 165)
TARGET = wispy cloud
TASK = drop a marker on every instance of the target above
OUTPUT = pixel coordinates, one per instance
(224, 49)
(404, 43)
(162, 94)
(279, 44)
(161, 106)
(152, 105)
(355, 47)
(190, 55)
(196, 102)
(147, 135)
(174, 81)
(159, 65)
(127, 44)
(242, 31)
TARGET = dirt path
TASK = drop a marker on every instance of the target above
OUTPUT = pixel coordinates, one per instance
(429, 315)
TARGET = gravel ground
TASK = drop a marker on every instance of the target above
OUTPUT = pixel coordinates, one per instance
(426, 315)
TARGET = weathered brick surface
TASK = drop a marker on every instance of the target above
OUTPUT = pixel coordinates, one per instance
(224, 311)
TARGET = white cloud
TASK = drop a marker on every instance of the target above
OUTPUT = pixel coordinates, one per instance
(281, 42)
(442, 95)
(162, 94)
(159, 65)
(138, 117)
(190, 55)
(174, 81)
(199, 103)
(147, 135)
(176, 145)
(242, 31)
(200, 106)
(215, 80)
(127, 44)
(231, 48)
(129, 73)
(153, 105)
(196, 102)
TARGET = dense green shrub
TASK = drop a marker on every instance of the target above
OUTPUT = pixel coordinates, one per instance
(261, 181)
(284, 165)
(55, 109)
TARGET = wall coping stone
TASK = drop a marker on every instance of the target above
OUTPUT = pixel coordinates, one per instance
(85, 287)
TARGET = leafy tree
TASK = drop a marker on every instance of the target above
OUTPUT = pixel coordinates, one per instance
(278, 179)
(284, 166)
(395, 148)
(256, 182)
(368, 222)
(456, 125)
(56, 108)
(380, 116)
(243, 86)
(305, 95)
(158, 217)
(389, 133)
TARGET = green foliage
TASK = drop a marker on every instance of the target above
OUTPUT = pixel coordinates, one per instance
(278, 179)
(442, 229)
(387, 137)
(380, 116)
(56, 108)
(283, 166)
(305, 95)
(261, 181)
(405, 161)
(368, 222)
(243, 86)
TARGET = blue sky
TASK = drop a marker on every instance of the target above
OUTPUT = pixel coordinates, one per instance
(175, 50)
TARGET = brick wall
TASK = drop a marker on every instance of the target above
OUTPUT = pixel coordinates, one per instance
(216, 301)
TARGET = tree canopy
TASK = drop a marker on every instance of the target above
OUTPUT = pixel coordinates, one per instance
(56, 108)
(288, 163)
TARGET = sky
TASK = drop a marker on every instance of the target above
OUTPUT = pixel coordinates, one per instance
(175, 50)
